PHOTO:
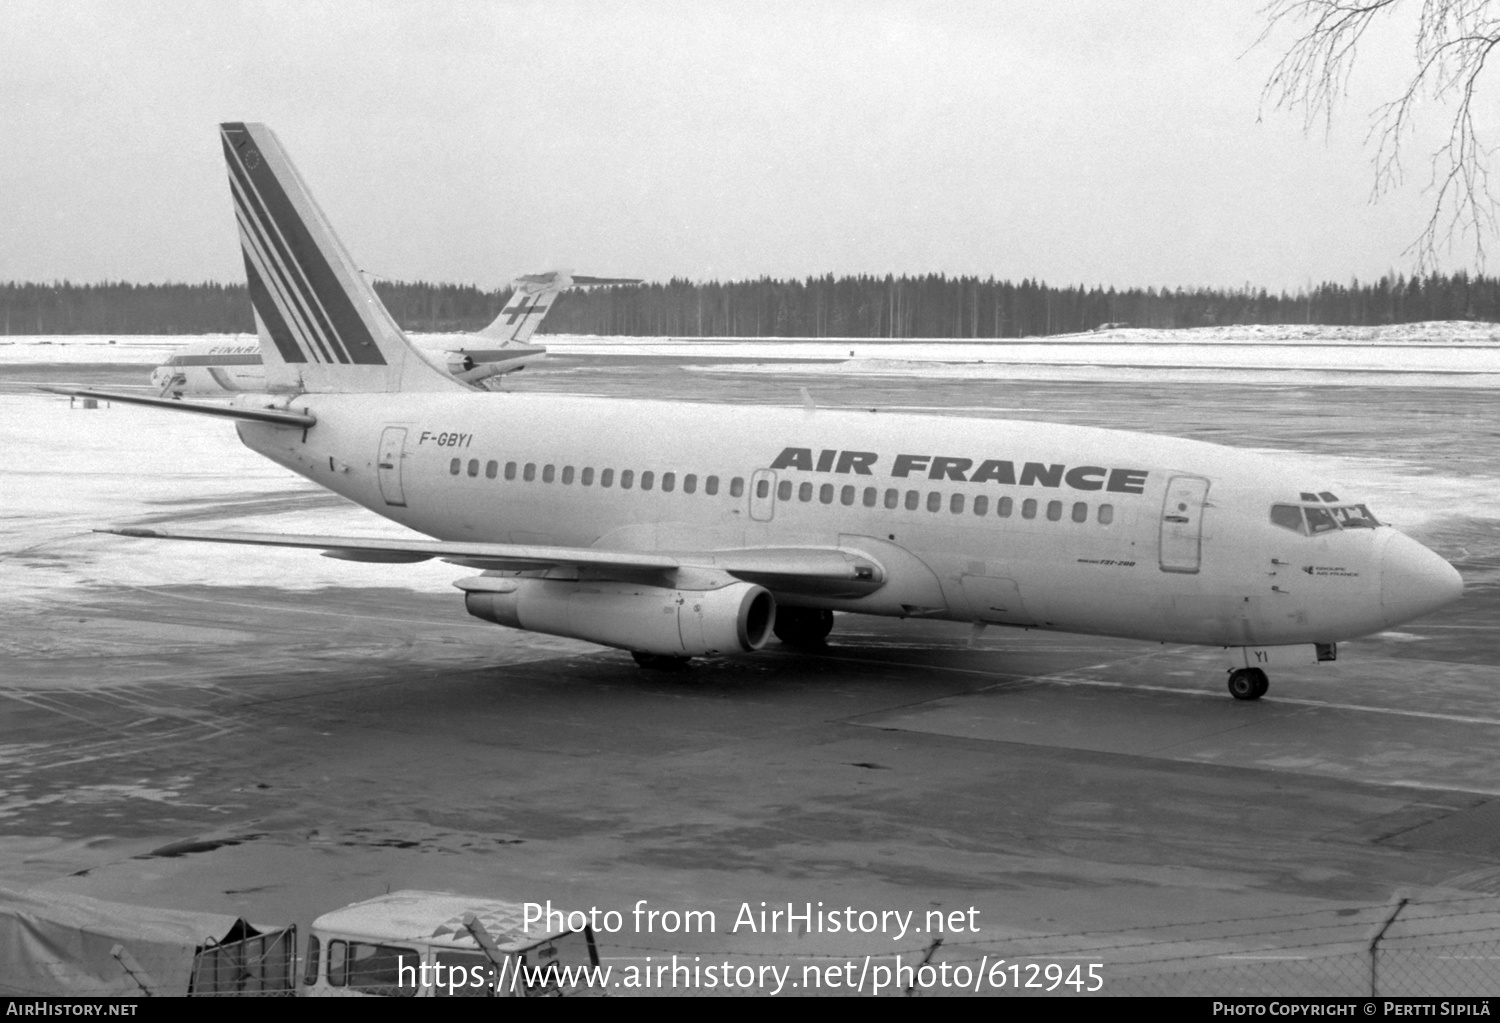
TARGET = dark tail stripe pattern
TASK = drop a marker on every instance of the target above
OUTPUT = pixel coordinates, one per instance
(298, 295)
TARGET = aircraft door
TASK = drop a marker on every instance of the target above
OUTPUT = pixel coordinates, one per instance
(392, 444)
(763, 495)
(1182, 524)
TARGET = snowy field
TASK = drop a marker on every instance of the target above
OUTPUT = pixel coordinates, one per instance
(1442, 354)
(68, 471)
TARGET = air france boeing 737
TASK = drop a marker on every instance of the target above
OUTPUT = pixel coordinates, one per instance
(673, 530)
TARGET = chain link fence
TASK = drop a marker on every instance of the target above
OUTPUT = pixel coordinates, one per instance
(1441, 948)
(1404, 948)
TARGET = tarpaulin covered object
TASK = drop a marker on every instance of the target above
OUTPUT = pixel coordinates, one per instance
(58, 943)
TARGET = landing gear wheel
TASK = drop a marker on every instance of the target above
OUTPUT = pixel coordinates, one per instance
(1248, 684)
(659, 662)
(802, 626)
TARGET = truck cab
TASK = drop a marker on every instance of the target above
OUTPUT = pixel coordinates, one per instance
(420, 944)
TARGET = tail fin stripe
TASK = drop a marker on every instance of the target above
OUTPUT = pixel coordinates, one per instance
(346, 324)
(322, 327)
(270, 316)
(314, 317)
(277, 291)
(279, 267)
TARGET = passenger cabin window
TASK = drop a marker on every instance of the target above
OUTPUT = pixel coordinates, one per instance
(956, 504)
(606, 477)
(1003, 507)
(892, 498)
(804, 492)
(784, 490)
(871, 496)
(627, 479)
(510, 470)
(456, 466)
(737, 487)
(549, 473)
(1080, 512)
(587, 478)
(1028, 508)
(567, 476)
(934, 501)
(648, 479)
(1106, 514)
(689, 483)
(981, 505)
(825, 493)
(491, 469)
(711, 486)
(529, 473)
(473, 467)
(846, 495)
(1054, 511)
(668, 482)
(913, 500)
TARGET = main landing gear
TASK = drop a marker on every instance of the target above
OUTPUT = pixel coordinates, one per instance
(1248, 683)
(802, 626)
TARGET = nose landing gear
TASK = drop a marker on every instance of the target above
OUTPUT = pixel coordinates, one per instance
(1248, 683)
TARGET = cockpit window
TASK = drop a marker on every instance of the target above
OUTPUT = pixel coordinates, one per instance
(1288, 516)
(1315, 520)
(1356, 516)
(1320, 520)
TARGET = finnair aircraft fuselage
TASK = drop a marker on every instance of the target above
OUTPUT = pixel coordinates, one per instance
(1017, 523)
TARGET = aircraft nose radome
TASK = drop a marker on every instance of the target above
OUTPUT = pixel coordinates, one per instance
(1414, 581)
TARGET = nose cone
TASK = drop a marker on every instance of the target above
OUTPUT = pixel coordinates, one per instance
(1414, 581)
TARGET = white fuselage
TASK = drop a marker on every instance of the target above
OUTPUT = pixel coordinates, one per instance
(1020, 523)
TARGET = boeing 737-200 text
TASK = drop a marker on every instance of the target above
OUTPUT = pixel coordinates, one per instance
(674, 529)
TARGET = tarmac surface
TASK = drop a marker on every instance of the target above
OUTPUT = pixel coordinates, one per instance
(276, 745)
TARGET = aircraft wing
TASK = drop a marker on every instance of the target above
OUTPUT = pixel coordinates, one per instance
(824, 571)
(274, 416)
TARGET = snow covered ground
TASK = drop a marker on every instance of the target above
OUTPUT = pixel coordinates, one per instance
(1446, 354)
(68, 471)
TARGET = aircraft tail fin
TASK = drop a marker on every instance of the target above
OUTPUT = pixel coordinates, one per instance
(322, 327)
(534, 295)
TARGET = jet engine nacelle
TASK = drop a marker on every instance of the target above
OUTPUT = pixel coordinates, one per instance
(643, 619)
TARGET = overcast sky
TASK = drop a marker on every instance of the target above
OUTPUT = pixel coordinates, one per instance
(1086, 142)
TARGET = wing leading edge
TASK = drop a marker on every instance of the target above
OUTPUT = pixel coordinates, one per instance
(273, 416)
(825, 571)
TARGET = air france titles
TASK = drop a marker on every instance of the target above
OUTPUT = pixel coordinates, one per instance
(966, 470)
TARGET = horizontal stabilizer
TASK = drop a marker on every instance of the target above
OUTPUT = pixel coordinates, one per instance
(276, 417)
(580, 280)
(827, 571)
